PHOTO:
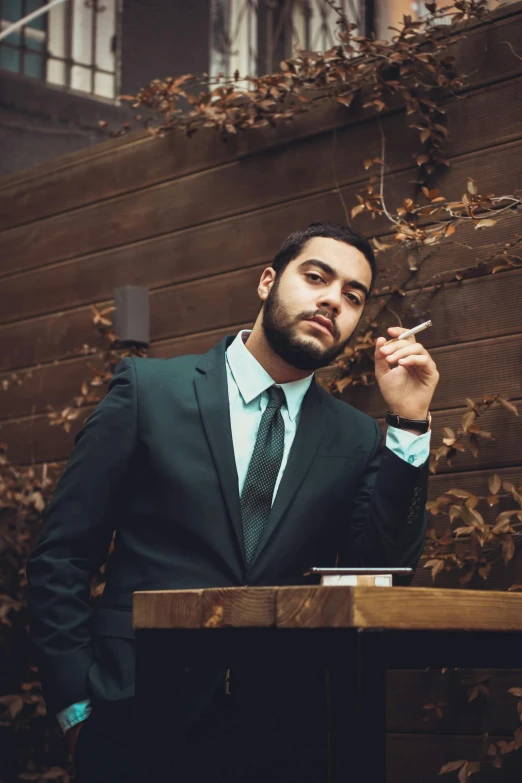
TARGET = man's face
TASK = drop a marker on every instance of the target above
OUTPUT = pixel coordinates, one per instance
(328, 280)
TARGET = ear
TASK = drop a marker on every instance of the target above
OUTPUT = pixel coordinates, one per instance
(266, 282)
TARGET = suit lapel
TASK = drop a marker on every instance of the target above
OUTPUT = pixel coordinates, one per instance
(212, 395)
(306, 442)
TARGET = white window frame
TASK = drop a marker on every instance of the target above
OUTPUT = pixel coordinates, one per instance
(80, 55)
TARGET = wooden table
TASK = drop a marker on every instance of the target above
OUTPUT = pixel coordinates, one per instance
(355, 633)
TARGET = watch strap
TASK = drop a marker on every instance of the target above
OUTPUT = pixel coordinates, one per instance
(419, 425)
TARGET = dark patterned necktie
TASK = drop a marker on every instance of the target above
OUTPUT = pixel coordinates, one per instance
(256, 498)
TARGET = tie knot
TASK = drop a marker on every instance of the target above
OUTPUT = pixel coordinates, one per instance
(276, 397)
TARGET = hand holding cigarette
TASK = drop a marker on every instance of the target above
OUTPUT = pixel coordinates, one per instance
(407, 387)
(410, 332)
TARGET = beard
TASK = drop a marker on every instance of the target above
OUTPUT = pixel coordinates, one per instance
(280, 330)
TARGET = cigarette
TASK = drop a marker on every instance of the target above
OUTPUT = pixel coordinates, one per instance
(409, 333)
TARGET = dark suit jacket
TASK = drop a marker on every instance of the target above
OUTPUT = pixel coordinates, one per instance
(155, 462)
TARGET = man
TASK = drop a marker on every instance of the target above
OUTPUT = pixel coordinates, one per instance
(225, 469)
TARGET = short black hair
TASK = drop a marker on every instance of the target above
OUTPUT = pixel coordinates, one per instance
(293, 244)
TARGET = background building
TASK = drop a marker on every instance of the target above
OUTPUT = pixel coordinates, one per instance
(61, 74)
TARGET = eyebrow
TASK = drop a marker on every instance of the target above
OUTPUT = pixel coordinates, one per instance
(331, 271)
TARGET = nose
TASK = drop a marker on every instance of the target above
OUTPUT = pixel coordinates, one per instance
(331, 301)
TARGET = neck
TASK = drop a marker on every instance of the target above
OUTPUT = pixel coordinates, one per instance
(271, 362)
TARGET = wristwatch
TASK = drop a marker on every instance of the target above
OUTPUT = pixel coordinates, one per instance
(419, 425)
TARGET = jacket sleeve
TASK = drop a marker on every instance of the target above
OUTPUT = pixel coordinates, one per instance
(74, 541)
(387, 519)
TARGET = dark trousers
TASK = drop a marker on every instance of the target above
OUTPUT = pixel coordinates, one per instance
(261, 736)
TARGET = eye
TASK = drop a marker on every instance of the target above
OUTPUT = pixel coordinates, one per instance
(315, 278)
(313, 274)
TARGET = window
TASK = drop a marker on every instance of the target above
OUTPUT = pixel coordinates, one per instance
(253, 36)
(72, 45)
(24, 50)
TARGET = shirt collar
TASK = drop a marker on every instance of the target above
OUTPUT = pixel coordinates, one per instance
(252, 379)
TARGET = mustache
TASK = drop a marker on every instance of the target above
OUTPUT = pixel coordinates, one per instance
(323, 314)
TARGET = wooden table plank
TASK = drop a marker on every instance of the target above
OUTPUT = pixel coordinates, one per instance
(166, 609)
(401, 608)
(238, 607)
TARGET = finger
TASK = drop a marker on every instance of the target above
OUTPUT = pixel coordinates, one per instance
(386, 350)
(397, 339)
(396, 331)
(408, 350)
(421, 360)
(379, 343)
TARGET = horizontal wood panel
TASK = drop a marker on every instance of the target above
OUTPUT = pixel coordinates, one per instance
(466, 370)
(263, 231)
(473, 309)
(504, 451)
(29, 176)
(61, 383)
(224, 246)
(64, 333)
(31, 390)
(142, 161)
(194, 343)
(272, 176)
(33, 438)
(463, 311)
(145, 161)
(409, 690)
(470, 250)
(501, 577)
(461, 371)
(475, 481)
(173, 259)
(114, 167)
(418, 759)
(185, 309)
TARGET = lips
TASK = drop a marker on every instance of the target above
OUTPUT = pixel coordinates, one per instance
(322, 321)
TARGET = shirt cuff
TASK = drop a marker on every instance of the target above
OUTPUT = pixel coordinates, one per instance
(74, 714)
(414, 449)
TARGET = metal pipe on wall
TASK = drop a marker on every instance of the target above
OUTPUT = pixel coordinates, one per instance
(29, 18)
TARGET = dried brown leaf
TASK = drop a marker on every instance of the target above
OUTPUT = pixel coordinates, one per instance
(451, 766)
(508, 405)
(494, 483)
(460, 493)
(508, 549)
(486, 223)
(468, 419)
(357, 210)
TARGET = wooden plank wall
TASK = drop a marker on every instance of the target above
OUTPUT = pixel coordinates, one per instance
(197, 220)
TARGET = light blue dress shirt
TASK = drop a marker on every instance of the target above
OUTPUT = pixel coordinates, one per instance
(248, 397)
